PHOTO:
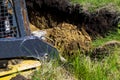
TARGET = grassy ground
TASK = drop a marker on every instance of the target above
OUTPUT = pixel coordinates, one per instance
(53, 71)
(107, 69)
(82, 67)
(96, 4)
(112, 36)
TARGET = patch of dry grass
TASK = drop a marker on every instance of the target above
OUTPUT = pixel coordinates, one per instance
(53, 71)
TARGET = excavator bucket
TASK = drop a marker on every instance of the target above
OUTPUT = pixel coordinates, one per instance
(27, 47)
(16, 41)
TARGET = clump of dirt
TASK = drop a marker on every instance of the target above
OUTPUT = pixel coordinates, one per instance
(68, 39)
(105, 49)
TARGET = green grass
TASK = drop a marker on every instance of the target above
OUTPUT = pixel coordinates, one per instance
(95, 4)
(53, 71)
(81, 68)
(107, 69)
(112, 36)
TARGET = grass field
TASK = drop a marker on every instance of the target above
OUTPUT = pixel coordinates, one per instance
(82, 67)
(96, 4)
(107, 69)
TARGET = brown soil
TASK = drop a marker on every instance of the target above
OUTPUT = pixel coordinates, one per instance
(105, 49)
(68, 39)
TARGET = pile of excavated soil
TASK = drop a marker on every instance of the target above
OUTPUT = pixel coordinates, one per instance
(68, 39)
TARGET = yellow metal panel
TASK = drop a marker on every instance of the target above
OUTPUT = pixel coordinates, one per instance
(23, 68)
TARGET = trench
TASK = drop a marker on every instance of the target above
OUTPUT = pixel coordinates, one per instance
(54, 12)
(64, 20)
